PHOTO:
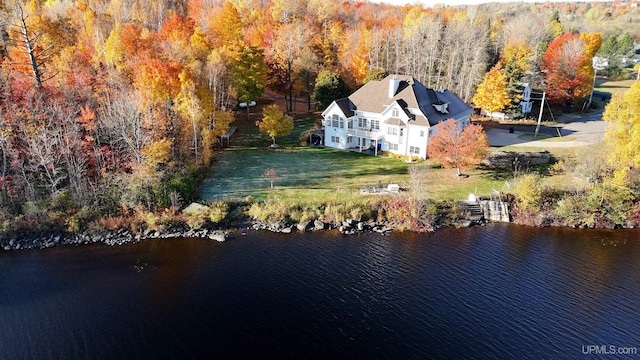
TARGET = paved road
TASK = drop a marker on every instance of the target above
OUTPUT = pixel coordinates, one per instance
(586, 130)
(589, 128)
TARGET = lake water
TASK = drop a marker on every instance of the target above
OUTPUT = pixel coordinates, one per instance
(499, 291)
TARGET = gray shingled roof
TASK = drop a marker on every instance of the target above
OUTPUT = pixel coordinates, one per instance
(374, 97)
(346, 106)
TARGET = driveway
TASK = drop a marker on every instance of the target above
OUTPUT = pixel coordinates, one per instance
(589, 128)
(586, 130)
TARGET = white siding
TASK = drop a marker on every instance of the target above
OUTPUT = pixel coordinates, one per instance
(335, 136)
(416, 141)
(407, 138)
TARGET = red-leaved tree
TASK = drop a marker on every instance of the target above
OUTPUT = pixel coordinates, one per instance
(567, 66)
(454, 146)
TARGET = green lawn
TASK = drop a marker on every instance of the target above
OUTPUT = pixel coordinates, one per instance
(311, 173)
(249, 136)
(237, 172)
(613, 87)
(315, 173)
(443, 184)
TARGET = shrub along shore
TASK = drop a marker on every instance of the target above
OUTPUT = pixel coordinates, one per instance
(381, 214)
(218, 220)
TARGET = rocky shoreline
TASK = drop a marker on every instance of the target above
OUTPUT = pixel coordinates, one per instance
(347, 227)
(22, 240)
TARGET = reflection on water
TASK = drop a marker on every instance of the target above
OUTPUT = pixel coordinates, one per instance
(498, 291)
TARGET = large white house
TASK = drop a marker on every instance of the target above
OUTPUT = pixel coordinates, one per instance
(396, 114)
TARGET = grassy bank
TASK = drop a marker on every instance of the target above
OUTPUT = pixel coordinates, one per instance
(613, 87)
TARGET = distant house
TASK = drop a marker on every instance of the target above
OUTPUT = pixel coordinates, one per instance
(396, 114)
(524, 101)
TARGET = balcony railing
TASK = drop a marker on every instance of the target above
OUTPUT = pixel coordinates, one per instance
(369, 134)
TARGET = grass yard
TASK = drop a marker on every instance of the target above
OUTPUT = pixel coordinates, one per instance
(531, 136)
(309, 174)
(443, 184)
(237, 172)
(248, 134)
(319, 173)
(613, 87)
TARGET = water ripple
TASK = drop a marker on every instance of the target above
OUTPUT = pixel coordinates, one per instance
(497, 291)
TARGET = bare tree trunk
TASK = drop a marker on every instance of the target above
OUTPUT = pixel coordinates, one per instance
(5, 135)
(29, 46)
(3, 148)
(290, 83)
(28, 42)
(43, 154)
(72, 150)
(121, 122)
(308, 86)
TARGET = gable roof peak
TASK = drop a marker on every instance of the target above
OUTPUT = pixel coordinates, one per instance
(409, 80)
(432, 105)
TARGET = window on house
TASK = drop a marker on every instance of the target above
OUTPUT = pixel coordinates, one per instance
(335, 139)
(350, 123)
(393, 147)
(334, 120)
(414, 149)
(362, 123)
(392, 130)
(375, 125)
(349, 139)
(421, 133)
(395, 113)
(341, 123)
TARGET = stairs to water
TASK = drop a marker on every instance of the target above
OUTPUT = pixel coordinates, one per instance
(474, 209)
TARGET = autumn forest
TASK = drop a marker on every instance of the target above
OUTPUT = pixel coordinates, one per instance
(112, 104)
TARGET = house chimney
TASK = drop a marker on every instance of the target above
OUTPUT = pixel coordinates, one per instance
(393, 86)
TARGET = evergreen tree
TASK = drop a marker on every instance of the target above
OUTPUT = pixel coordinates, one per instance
(329, 87)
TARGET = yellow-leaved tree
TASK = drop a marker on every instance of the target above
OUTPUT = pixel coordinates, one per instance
(516, 56)
(492, 94)
(275, 123)
(623, 133)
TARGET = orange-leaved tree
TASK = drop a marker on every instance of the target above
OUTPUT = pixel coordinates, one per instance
(567, 66)
(454, 146)
(158, 79)
(275, 123)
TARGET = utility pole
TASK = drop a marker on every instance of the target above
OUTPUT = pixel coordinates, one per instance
(593, 87)
(544, 94)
